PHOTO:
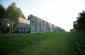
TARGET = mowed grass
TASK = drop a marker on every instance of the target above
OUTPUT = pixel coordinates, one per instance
(37, 44)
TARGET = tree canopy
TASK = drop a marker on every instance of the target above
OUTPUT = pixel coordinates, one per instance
(2, 11)
(13, 13)
(10, 17)
(2, 16)
(79, 24)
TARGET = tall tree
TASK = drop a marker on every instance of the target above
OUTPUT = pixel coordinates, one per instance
(13, 13)
(2, 11)
(2, 16)
(79, 24)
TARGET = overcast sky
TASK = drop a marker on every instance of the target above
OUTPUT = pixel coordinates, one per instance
(61, 13)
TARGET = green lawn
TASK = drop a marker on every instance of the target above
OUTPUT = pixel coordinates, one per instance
(38, 44)
(79, 39)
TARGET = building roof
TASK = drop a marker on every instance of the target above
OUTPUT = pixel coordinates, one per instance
(23, 20)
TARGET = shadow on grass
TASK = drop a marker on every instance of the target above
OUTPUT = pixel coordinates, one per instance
(79, 39)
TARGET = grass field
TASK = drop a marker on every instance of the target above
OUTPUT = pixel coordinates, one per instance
(39, 44)
(79, 39)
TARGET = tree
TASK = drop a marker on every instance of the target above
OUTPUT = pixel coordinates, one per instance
(9, 18)
(2, 11)
(13, 13)
(21, 14)
(79, 24)
(2, 16)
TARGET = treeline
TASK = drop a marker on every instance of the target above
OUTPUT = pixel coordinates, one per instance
(79, 24)
(9, 18)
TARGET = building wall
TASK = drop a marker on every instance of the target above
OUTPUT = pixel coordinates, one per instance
(35, 24)
(23, 25)
(39, 25)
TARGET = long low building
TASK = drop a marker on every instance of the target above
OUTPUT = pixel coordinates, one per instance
(35, 25)
(39, 25)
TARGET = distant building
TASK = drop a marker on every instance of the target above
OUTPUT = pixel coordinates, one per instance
(23, 25)
(35, 25)
(39, 25)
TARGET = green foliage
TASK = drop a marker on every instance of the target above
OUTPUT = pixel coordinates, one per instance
(13, 15)
(20, 13)
(80, 23)
(10, 17)
(37, 44)
(2, 12)
(2, 20)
